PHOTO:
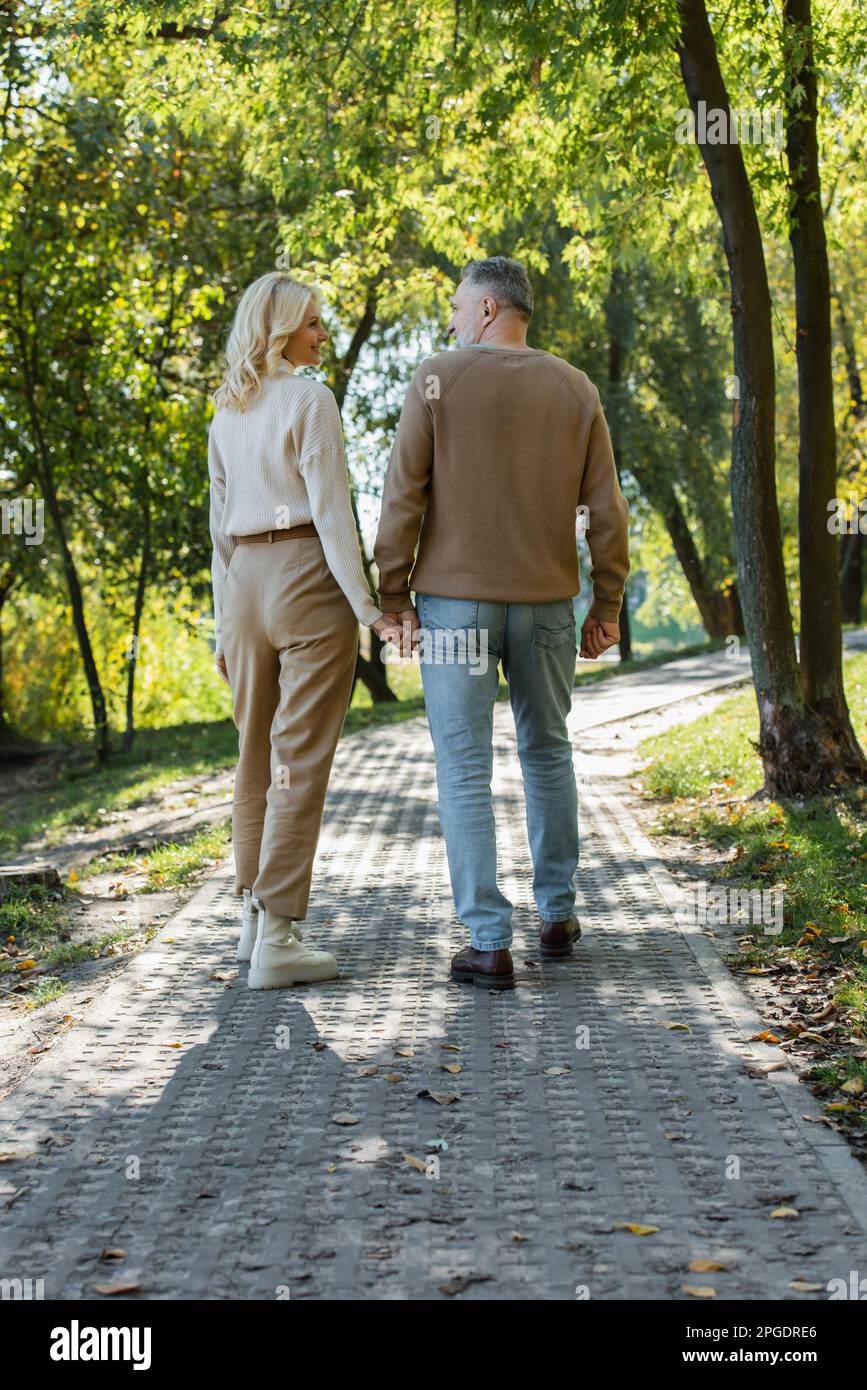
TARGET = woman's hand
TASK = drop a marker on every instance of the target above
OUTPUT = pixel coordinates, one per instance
(388, 629)
(220, 663)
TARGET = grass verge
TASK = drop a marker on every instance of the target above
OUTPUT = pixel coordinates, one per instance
(702, 777)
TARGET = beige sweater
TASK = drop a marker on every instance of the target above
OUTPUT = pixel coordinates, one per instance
(495, 451)
(277, 464)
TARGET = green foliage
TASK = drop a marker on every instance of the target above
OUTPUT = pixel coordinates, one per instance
(157, 157)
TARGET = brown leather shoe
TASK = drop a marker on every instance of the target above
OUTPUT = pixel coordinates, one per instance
(556, 939)
(489, 969)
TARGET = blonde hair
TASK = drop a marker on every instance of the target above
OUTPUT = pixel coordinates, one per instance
(271, 309)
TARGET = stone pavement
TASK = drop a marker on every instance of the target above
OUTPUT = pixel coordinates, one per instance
(194, 1124)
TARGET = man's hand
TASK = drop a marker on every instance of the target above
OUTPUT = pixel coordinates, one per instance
(597, 637)
(408, 625)
(220, 662)
(387, 628)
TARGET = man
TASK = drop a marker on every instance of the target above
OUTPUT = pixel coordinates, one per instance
(497, 448)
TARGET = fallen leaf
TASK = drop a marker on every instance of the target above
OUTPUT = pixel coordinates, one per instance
(441, 1097)
(679, 1027)
(345, 1118)
(453, 1047)
(828, 1012)
(803, 1287)
(767, 1036)
(112, 1254)
(785, 1213)
(699, 1291)
(368, 1071)
(635, 1228)
(392, 1076)
(417, 1163)
(110, 1289)
(516, 1235)
(853, 1087)
(461, 1282)
(673, 1136)
(331, 1168)
(405, 1051)
(452, 1067)
(705, 1266)
(557, 1071)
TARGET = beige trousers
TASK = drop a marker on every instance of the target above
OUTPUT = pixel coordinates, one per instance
(290, 640)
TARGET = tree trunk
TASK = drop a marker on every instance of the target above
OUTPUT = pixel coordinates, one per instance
(138, 608)
(45, 475)
(851, 577)
(851, 546)
(7, 584)
(718, 609)
(373, 674)
(801, 749)
(624, 646)
(94, 685)
(821, 649)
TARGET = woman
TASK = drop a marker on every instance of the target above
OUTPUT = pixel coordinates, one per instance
(289, 593)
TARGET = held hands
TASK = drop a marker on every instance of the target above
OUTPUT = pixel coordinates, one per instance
(401, 629)
(597, 637)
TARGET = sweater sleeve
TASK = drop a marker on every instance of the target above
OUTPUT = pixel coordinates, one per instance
(222, 545)
(608, 516)
(318, 439)
(404, 497)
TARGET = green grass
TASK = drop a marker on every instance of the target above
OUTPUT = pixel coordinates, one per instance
(704, 774)
(47, 988)
(29, 913)
(702, 777)
(171, 864)
(35, 921)
(70, 791)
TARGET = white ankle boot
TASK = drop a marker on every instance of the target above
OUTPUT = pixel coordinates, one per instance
(280, 959)
(250, 925)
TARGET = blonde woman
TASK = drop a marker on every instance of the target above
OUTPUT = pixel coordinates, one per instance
(289, 594)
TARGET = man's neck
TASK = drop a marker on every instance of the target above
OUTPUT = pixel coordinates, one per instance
(502, 340)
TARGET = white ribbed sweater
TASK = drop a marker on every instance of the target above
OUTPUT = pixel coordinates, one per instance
(277, 464)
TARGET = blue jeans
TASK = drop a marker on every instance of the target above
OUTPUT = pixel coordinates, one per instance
(461, 643)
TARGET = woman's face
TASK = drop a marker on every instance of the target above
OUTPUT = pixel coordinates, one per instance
(303, 347)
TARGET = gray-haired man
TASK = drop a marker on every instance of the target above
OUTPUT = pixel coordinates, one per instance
(498, 446)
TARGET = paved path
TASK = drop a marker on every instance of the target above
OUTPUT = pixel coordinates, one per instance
(176, 1123)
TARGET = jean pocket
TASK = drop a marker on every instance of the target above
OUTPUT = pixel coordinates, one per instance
(448, 614)
(554, 624)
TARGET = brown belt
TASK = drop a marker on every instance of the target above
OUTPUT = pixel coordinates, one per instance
(290, 534)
